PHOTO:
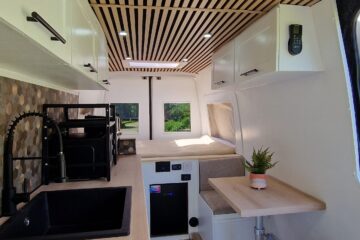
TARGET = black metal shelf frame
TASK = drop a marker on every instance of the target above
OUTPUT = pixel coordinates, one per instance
(106, 122)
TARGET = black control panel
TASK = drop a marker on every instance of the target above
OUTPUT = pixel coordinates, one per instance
(295, 39)
(176, 167)
(185, 177)
(162, 166)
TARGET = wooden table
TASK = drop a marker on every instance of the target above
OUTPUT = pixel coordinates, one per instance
(277, 198)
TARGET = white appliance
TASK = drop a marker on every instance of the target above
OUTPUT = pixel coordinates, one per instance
(171, 190)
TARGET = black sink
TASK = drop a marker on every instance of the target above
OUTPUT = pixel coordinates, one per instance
(72, 214)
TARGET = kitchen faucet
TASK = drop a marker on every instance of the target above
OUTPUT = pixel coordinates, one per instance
(9, 196)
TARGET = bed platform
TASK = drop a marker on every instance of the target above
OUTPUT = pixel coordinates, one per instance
(204, 147)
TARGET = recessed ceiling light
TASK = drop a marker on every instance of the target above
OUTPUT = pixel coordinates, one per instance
(207, 35)
(185, 60)
(128, 58)
(153, 64)
(123, 33)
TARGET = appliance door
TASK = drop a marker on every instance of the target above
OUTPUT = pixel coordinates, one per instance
(168, 209)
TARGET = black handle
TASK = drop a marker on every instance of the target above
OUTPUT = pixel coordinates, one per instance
(92, 69)
(35, 17)
(249, 72)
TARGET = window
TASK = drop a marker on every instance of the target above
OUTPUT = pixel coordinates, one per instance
(177, 117)
(221, 121)
(129, 115)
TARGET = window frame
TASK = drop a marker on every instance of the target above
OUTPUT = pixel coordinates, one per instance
(138, 128)
(348, 12)
(163, 122)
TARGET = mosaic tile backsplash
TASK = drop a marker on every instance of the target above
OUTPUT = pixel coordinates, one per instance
(17, 97)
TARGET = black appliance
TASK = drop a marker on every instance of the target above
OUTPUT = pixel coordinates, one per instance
(168, 209)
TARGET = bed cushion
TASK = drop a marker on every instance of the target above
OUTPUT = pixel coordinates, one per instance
(182, 147)
(216, 202)
(218, 167)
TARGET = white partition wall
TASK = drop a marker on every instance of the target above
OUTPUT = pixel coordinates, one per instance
(131, 88)
(308, 124)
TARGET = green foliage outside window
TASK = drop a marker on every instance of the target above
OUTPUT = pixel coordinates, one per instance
(177, 117)
(129, 115)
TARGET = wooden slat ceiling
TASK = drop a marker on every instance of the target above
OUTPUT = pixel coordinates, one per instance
(171, 30)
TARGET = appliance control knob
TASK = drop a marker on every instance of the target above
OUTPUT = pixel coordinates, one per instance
(194, 222)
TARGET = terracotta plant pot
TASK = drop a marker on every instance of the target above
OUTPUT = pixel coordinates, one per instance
(258, 181)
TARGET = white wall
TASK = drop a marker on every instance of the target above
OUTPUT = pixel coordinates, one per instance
(92, 96)
(308, 123)
(203, 86)
(131, 88)
(175, 89)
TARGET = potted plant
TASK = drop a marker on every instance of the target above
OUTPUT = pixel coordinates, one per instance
(261, 161)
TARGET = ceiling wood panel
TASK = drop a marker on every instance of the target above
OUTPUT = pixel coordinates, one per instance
(171, 30)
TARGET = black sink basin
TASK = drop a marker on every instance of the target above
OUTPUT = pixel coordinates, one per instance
(72, 214)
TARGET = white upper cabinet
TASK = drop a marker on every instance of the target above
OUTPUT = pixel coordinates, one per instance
(101, 50)
(102, 60)
(256, 48)
(23, 15)
(262, 53)
(53, 43)
(83, 36)
(223, 67)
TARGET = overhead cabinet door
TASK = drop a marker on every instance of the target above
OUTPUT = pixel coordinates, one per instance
(223, 67)
(83, 41)
(39, 19)
(256, 48)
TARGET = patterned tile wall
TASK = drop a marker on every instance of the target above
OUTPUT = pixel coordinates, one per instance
(15, 98)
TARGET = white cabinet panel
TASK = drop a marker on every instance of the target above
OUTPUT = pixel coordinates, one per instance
(28, 52)
(83, 43)
(103, 65)
(262, 50)
(54, 12)
(256, 48)
(223, 67)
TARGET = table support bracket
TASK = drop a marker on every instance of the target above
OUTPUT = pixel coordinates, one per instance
(260, 230)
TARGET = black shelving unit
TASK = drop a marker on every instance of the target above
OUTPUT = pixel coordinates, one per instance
(89, 154)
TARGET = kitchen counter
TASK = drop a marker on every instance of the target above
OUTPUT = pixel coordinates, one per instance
(127, 172)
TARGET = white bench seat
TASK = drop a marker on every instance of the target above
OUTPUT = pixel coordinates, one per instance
(218, 221)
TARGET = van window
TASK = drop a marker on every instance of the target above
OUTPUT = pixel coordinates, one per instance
(221, 121)
(177, 117)
(129, 117)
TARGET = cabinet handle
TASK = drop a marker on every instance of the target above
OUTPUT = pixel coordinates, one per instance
(220, 82)
(35, 17)
(92, 69)
(249, 72)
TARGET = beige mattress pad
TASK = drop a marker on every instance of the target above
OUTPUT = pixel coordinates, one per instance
(182, 147)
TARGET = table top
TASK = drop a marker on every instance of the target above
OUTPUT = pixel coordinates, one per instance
(277, 198)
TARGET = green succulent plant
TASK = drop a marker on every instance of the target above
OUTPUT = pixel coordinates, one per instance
(261, 161)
